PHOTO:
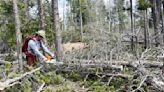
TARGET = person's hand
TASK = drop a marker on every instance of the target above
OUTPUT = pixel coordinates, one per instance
(45, 59)
(52, 55)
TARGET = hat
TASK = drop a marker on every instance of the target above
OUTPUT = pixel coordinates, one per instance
(41, 33)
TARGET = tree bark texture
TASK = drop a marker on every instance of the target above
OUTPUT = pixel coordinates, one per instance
(18, 35)
(81, 23)
(132, 29)
(156, 20)
(146, 35)
(41, 15)
(57, 30)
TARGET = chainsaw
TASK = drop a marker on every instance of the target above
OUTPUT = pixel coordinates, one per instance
(51, 60)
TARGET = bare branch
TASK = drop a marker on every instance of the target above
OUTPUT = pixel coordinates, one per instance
(40, 88)
(10, 82)
(141, 83)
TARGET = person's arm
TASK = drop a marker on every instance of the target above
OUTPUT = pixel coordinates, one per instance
(35, 49)
(46, 49)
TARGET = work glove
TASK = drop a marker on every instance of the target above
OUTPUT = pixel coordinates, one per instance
(53, 56)
(45, 59)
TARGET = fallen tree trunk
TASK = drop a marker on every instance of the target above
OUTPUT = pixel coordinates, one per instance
(139, 65)
(11, 82)
(109, 63)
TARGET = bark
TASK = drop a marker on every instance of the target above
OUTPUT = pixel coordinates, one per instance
(81, 23)
(57, 30)
(41, 15)
(27, 16)
(18, 35)
(109, 19)
(114, 64)
(146, 37)
(132, 29)
(162, 11)
(156, 20)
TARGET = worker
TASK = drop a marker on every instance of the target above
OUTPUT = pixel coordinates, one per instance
(35, 50)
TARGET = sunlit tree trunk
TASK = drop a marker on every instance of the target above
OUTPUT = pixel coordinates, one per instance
(18, 35)
(57, 30)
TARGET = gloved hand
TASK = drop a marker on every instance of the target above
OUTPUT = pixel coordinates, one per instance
(52, 55)
(45, 59)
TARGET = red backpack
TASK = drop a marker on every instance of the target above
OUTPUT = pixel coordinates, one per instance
(25, 45)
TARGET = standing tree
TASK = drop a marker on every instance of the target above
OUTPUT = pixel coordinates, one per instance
(18, 34)
(156, 20)
(57, 30)
(143, 6)
(121, 17)
(162, 21)
(81, 22)
(132, 27)
(41, 15)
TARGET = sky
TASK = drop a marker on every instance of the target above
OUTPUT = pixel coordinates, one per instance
(62, 4)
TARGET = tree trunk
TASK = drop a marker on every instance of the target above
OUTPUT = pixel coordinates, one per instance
(27, 16)
(18, 34)
(162, 11)
(156, 21)
(132, 30)
(109, 19)
(81, 23)
(41, 15)
(146, 37)
(57, 30)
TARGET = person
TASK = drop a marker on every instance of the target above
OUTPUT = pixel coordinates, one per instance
(36, 49)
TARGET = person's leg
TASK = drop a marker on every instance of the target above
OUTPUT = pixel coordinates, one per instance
(31, 60)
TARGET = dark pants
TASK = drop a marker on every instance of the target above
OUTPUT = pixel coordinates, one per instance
(31, 59)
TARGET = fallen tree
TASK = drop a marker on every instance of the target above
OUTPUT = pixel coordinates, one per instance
(11, 82)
